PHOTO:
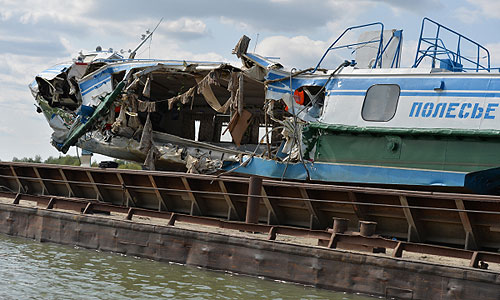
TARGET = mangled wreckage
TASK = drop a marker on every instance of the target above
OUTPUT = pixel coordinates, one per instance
(363, 120)
(150, 111)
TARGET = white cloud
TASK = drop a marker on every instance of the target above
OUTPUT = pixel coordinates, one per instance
(33, 11)
(66, 43)
(410, 5)
(298, 51)
(408, 53)
(488, 8)
(477, 10)
(234, 23)
(21, 69)
(163, 48)
(494, 48)
(186, 25)
(5, 15)
(468, 15)
(6, 130)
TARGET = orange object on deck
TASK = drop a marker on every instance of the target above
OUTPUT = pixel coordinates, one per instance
(298, 96)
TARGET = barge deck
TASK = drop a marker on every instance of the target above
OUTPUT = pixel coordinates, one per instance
(467, 221)
(284, 256)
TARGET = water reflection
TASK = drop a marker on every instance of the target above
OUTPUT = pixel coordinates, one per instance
(32, 270)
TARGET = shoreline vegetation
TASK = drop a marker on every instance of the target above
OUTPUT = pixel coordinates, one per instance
(70, 160)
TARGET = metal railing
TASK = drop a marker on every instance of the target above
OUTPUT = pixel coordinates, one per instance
(379, 41)
(438, 51)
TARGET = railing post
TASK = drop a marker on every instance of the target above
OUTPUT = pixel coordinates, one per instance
(340, 225)
(367, 228)
(253, 203)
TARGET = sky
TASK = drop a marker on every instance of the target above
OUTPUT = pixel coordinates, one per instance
(34, 35)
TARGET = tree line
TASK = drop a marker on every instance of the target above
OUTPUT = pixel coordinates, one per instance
(70, 160)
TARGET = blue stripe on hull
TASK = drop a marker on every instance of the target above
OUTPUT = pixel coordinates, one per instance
(349, 173)
(425, 94)
(419, 85)
(339, 92)
(97, 79)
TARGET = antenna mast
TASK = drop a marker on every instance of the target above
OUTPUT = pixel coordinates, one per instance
(134, 52)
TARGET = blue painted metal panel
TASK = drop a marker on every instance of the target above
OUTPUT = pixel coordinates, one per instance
(265, 63)
(104, 75)
(329, 172)
(421, 82)
(52, 72)
(484, 182)
(269, 168)
(426, 94)
(97, 85)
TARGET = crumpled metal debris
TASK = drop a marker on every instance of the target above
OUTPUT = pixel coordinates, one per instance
(238, 125)
(147, 136)
(203, 87)
(202, 164)
(146, 89)
(235, 87)
(147, 145)
(146, 92)
(133, 120)
(242, 46)
(292, 133)
(60, 129)
(151, 158)
(184, 98)
(146, 106)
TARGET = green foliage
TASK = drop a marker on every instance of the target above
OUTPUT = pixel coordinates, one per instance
(36, 159)
(63, 160)
(123, 164)
(69, 160)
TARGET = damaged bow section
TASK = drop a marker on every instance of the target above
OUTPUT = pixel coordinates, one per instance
(171, 115)
(199, 117)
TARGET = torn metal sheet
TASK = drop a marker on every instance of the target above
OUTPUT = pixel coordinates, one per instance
(149, 111)
(238, 125)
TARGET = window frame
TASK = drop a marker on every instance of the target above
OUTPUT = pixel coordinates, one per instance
(396, 106)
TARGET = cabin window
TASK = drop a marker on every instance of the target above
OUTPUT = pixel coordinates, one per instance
(380, 103)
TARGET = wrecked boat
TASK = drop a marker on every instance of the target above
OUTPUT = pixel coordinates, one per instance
(364, 119)
(371, 121)
(165, 114)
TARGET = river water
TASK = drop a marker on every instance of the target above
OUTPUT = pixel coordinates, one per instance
(33, 270)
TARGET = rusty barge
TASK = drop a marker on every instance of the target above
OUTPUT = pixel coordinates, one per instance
(340, 148)
(143, 212)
